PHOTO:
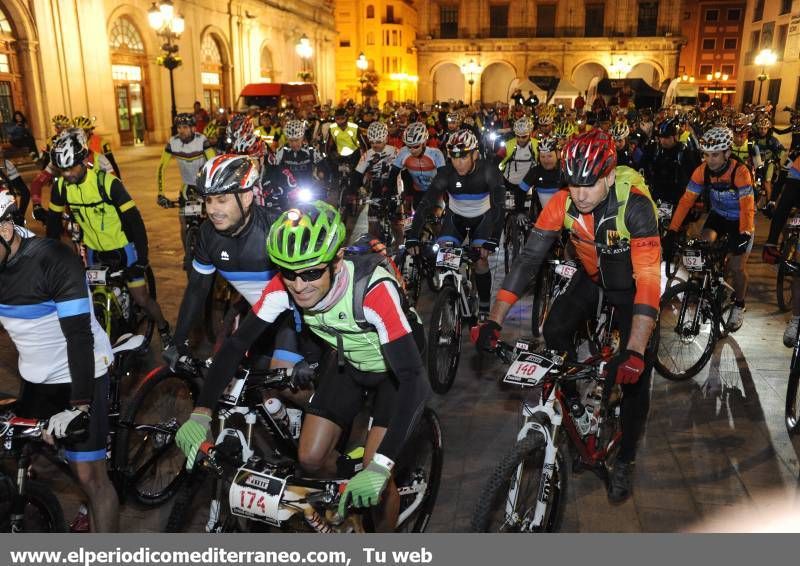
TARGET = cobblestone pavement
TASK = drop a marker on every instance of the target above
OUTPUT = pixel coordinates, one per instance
(713, 442)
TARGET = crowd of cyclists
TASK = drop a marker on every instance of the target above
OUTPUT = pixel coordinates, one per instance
(280, 189)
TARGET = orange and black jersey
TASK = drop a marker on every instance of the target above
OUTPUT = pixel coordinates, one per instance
(616, 264)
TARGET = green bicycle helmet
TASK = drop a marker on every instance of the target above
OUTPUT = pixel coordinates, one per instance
(306, 236)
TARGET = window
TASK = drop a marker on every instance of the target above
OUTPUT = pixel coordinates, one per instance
(344, 43)
(210, 51)
(595, 18)
(709, 44)
(786, 6)
(390, 14)
(755, 39)
(727, 70)
(370, 12)
(546, 20)
(394, 38)
(125, 37)
(774, 90)
(705, 70)
(758, 10)
(448, 22)
(5, 27)
(734, 14)
(498, 20)
(648, 19)
(266, 64)
(5, 64)
(6, 104)
(783, 32)
(370, 38)
(712, 15)
(747, 91)
(729, 43)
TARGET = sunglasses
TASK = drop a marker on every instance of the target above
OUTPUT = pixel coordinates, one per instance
(419, 145)
(310, 275)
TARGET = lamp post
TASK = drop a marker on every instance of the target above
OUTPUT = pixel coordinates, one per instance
(304, 50)
(168, 26)
(765, 58)
(687, 78)
(470, 70)
(362, 64)
(716, 76)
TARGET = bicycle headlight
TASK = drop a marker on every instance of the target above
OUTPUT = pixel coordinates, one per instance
(305, 195)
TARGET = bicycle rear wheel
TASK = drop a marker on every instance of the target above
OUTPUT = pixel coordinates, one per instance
(688, 331)
(793, 403)
(444, 340)
(42, 512)
(508, 501)
(145, 451)
(783, 282)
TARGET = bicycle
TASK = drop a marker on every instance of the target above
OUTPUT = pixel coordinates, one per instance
(420, 267)
(527, 490)
(252, 490)
(456, 303)
(787, 247)
(517, 227)
(553, 271)
(694, 314)
(113, 305)
(792, 409)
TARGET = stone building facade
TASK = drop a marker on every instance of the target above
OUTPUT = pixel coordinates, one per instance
(98, 57)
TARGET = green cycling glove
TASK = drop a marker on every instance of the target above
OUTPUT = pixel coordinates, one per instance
(366, 486)
(191, 435)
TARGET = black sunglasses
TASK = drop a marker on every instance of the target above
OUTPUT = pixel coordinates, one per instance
(310, 275)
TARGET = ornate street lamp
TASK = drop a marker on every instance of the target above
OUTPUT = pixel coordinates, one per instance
(687, 78)
(765, 58)
(304, 50)
(168, 26)
(469, 70)
(716, 78)
(362, 64)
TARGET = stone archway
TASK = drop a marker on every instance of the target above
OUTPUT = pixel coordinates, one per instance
(131, 87)
(267, 65)
(648, 72)
(583, 73)
(448, 82)
(214, 72)
(496, 82)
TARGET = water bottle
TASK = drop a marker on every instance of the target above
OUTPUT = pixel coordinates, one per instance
(278, 412)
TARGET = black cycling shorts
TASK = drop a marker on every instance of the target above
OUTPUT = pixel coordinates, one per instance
(455, 229)
(341, 394)
(722, 225)
(43, 400)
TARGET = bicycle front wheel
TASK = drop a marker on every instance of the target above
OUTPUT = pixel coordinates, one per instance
(42, 512)
(508, 502)
(444, 340)
(688, 331)
(793, 403)
(542, 294)
(153, 465)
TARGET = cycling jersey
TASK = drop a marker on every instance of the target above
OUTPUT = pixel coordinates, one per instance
(96, 161)
(10, 177)
(301, 162)
(546, 182)
(272, 135)
(421, 169)
(345, 139)
(748, 153)
(191, 156)
(517, 159)
(618, 264)
(376, 164)
(772, 153)
(730, 192)
(96, 145)
(46, 308)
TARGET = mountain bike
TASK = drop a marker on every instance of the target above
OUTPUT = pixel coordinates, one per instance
(788, 244)
(517, 226)
(694, 314)
(554, 270)
(418, 268)
(456, 304)
(792, 411)
(260, 488)
(527, 490)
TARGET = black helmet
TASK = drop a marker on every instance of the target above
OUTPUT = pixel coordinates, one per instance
(340, 112)
(667, 128)
(226, 174)
(69, 149)
(184, 119)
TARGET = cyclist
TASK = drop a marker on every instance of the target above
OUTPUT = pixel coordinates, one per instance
(730, 188)
(113, 230)
(453, 124)
(10, 177)
(772, 155)
(344, 146)
(626, 155)
(373, 170)
(476, 194)
(421, 163)
(612, 223)
(301, 159)
(518, 156)
(319, 282)
(546, 124)
(744, 149)
(63, 353)
(272, 134)
(546, 178)
(191, 149)
(95, 142)
(669, 164)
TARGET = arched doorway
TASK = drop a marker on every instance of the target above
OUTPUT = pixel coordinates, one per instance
(448, 83)
(213, 74)
(583, 74)
(267, 67)
(11, 91)
(646, 71)
(128, 69)
(496, 82)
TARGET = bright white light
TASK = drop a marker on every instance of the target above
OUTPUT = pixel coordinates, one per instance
(177, 25)
(305, 195)
(167, 10)
(493, 136)
(154, 18)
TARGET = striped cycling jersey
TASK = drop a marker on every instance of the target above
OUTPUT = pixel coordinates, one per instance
(191, 156)
(423, 168)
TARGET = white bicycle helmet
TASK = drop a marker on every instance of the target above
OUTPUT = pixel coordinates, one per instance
(763, 122)
(454, 117)
(620, 131)
(248, 144)
(415, 134)
(377, 132)
(69, 149)
(522, 127)
(716, 139)
(294, 130)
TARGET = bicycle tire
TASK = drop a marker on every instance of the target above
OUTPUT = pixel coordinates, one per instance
(39, 498)
(140, 322)
(507, 239)
(494, 495)
(671, 305)
(443, 365)
(180, 514)
(542, 293)
(783, 283)
(427, 436)
(792, 411)
(141, 451)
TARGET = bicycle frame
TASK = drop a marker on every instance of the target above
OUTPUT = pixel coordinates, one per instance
(460, 280)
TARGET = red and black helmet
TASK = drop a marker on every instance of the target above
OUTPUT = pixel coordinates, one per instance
(588, 157)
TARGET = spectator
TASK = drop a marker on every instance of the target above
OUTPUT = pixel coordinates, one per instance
(201, 117)
(533, 100)
(20, 134)
(579, 103)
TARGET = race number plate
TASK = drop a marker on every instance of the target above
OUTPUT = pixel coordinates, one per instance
(233, 391)
(794, 221)
(565, 270)
(693, 260)
(527, 370)
(96, 275)
(256, 495)
(193, 209)
(449, 258)
(665, 210)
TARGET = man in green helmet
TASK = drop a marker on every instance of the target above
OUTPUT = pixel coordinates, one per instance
(374, 345)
